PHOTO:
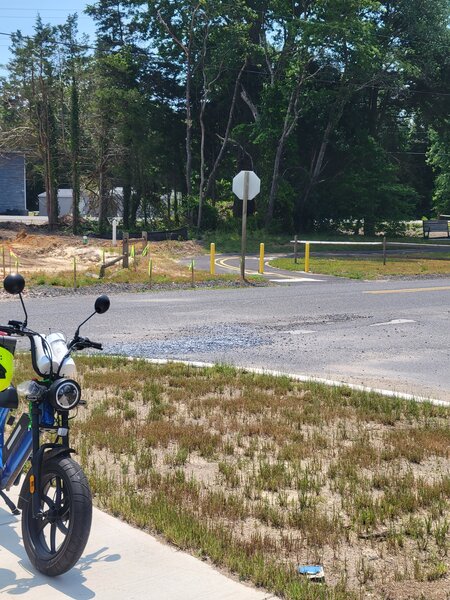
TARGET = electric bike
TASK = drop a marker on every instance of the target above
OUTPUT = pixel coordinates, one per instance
(55, 498)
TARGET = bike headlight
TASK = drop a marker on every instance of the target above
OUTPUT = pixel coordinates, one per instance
(64, 394)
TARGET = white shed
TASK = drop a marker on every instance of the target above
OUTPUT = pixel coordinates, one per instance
(64, 202)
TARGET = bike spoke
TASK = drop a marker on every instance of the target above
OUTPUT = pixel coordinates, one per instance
(64, 512)
(49, 502)
(58, 493)
(53, 538)
(41, 523)
(63, 529)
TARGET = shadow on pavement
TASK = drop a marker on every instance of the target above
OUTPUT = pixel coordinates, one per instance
(72, 584)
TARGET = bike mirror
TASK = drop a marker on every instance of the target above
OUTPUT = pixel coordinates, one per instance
(15, 283)
(102, 304)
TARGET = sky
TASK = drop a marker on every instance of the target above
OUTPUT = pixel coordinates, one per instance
(21, 14)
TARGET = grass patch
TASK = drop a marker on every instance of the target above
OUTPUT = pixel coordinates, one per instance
(260, 474)
(171, 274)
(230, 241)
(165, 257)
(368, 268)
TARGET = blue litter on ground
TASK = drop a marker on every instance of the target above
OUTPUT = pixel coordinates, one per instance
(313, 572)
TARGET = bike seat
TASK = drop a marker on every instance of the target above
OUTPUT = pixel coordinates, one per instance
(9, 398)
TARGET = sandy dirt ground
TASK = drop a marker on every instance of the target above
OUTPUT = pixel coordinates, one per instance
(41, 252)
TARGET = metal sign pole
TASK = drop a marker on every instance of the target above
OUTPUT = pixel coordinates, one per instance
(244, 223)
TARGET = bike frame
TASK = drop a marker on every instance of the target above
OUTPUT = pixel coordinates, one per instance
(12, 467)
(44, 414)
(29, 443)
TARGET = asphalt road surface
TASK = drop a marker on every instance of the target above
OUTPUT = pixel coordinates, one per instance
(391, 334)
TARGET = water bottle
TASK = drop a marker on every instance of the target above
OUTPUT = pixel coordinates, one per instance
(42, 361)
(58, 346)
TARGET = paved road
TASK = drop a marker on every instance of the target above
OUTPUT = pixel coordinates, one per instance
(387, 334)
(390, 334)
(230, 264)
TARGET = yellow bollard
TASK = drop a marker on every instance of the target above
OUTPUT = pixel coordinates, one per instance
(261, 259)
(212, 259)
(306, 257)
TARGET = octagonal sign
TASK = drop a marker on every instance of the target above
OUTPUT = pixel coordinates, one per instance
(254, 184)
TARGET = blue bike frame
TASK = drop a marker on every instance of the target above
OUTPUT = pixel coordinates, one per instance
(15, 461)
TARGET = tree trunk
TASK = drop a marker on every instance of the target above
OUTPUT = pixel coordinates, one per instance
(201, 192)
(75, 156)
(126, 201)
(317, 163)
(51, 172)
(290, 120)
(188, 129)
(225, 138)
(274, 184)
(175, 206)
(102, 186)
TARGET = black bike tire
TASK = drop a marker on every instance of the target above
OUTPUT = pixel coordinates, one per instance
(80, 519)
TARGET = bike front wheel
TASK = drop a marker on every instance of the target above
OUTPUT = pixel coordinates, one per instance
(55, 540)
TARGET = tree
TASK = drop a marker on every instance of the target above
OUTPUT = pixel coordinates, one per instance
(439, 159)
(32, 82)
(73, 71)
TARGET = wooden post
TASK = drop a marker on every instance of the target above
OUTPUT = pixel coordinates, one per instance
(125, 240)
(193, 273)
(384, 250)
(244, 223)
(74, 273)
(295, 250)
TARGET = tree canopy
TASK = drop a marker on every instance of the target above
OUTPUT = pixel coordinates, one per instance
(340, 106)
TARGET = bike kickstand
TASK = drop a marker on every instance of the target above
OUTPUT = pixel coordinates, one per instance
(10, 504)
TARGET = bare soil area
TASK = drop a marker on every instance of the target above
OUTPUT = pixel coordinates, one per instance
(32, 252)
(37, 252)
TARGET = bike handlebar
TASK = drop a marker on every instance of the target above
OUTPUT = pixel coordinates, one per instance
(15, 328)
(80, 343)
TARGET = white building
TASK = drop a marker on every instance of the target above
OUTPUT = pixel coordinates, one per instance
(64, 202)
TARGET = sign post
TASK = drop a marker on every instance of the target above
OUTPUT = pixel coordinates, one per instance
(114, 231)
(244, 224)
(246, 185)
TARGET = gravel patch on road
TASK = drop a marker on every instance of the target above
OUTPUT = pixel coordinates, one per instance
(207, 339)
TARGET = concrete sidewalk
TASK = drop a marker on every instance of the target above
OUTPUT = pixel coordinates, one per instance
(119, 562)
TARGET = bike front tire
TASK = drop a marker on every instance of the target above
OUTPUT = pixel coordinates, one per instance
(55, 540)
